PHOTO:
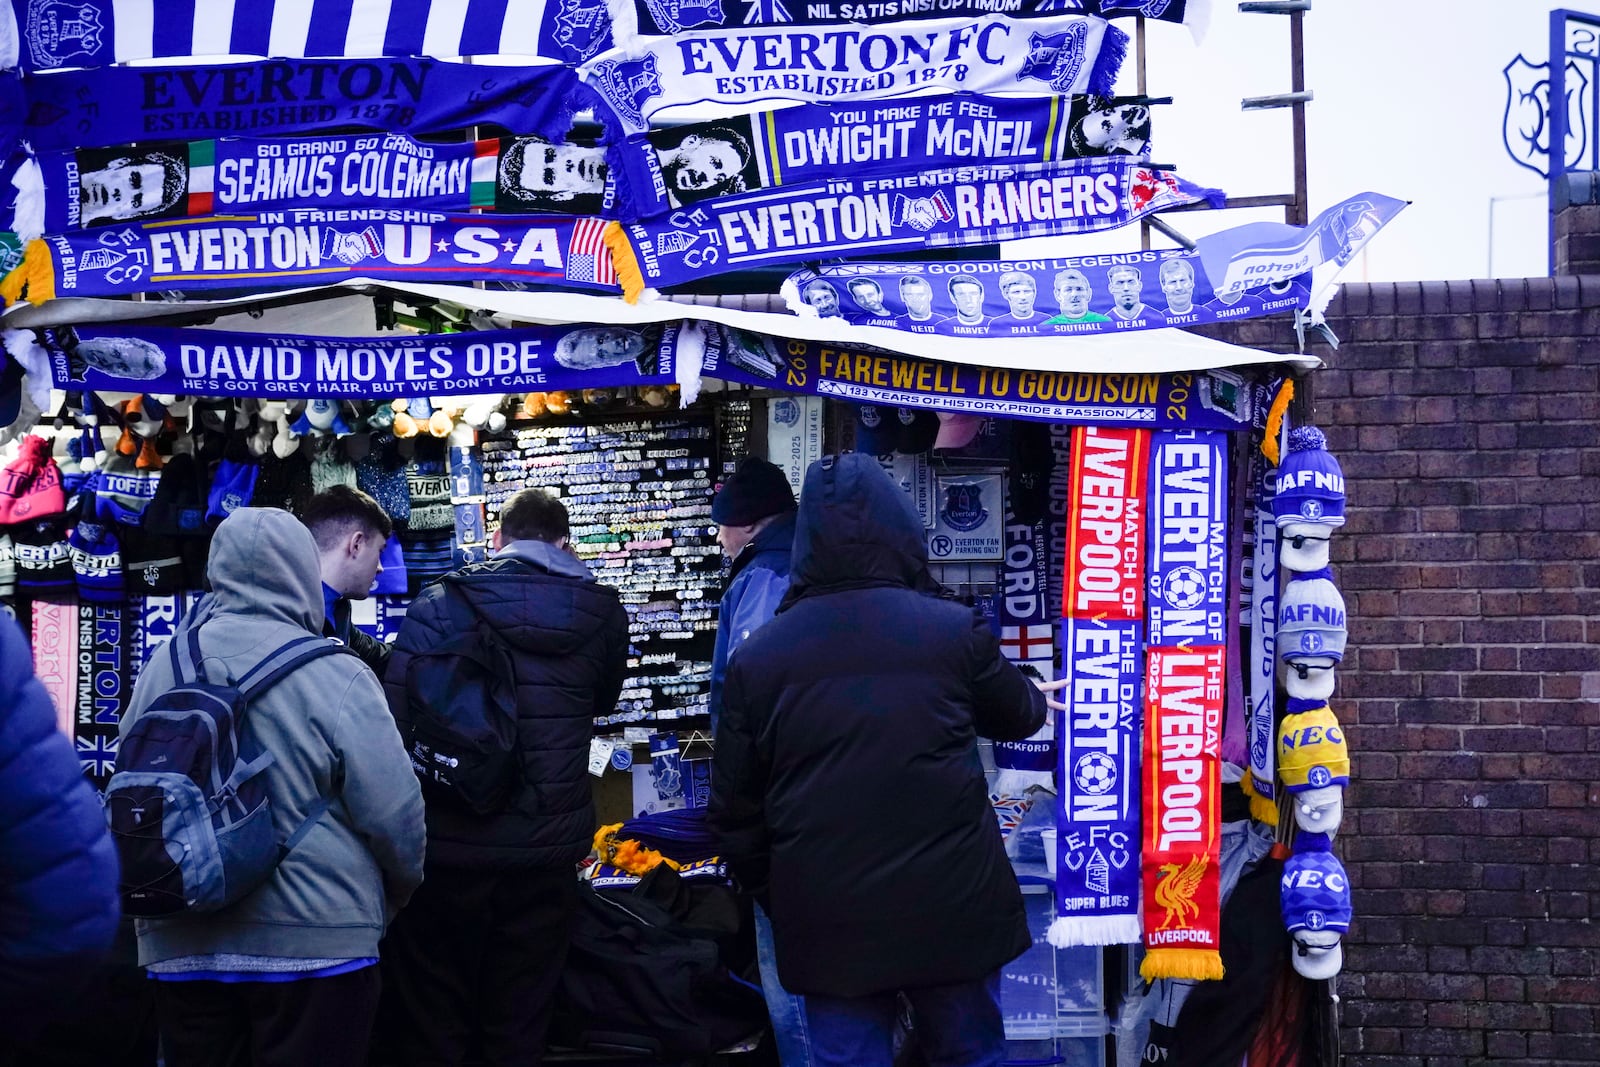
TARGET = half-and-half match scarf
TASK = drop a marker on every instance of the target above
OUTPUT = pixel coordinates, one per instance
(1185, 675)
(1097, 815)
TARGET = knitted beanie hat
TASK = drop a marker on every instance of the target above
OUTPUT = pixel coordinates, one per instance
(1311, 750)
(754, 491)
(30, 485)
(153, 563)
(1310, 485)
(232, 488)
(285, 481)
(96, 563)
(123, 490)
(1311, 617)
(329, 468)
(179, 506)
(427, 557)
(429, 486)
(44, 562)
(382, 475)
(392, 579)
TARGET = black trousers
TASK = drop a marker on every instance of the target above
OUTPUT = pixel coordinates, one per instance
(323, 1021)
(470, 968)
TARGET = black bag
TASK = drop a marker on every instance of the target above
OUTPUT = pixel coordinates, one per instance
(463, 700)
(640, 981)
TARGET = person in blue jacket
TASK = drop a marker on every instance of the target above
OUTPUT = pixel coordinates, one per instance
(754, 512)
(58, 870)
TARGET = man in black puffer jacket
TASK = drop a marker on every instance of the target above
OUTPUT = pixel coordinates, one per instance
(473, 960)
(848, 794)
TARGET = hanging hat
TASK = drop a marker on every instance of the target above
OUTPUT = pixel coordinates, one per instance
(30, 485)
(427, 555)
(284, 482)
(96, 563)
(754, 491)
(44, 562)
(1311, 750)
(429, 487)
(1311, 617)
(877, 430)
(1308, 500)
(154, 564)
(918, 430)
(123, 490)
(382, 475)
(329, 468)
(179, 507)
(1315, 896)
(233, 488)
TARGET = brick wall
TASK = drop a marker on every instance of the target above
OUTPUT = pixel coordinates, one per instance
(1467, 419)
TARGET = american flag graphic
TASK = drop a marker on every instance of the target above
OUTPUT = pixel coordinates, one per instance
(588, 259)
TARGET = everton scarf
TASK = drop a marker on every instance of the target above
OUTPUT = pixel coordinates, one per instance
(670, 17)
(1261, 253)
(929, 209)
(103, 688)
(1184, 679)
(161, 359)
(672, 168)
(753, 64)
(1097, 871)
(1263, 733)
(54, 637)
(873, 376)
(73, 109)
(106, 186)
(1061, 297)
(98, 33)
(305, 247)
(1026, 639)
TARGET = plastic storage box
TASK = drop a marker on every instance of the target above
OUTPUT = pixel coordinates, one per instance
(1048, 992)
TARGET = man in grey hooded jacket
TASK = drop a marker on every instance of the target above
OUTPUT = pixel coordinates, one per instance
(287, 975)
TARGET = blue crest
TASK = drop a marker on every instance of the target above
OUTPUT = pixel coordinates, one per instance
(583, 27)
(58, 31)
(785, 412)
(627, 86)
(963, 506)
(1057, 58)
(1310, 641)
(1525, 126)
(674, 16)
(1319, 777)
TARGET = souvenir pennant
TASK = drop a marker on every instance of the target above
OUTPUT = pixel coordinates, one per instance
(872, 376)
(755, 63)
(103, 688)
(1262, 253)
(931, 209)
(672, 168)
(54, 639)
(99, 33)
(310, 247)
(631, 18)
(158, 359)
(232, 176)
(1184, 687)
(73, 109)
(1034, 297)
(1259, 784)
(1097, 883)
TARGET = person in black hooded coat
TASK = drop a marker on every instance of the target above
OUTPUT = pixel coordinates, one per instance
(847, 792)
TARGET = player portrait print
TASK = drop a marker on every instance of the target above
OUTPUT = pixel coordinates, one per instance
(594, 347)
(715, 159)
(119, 184)
(538, 175)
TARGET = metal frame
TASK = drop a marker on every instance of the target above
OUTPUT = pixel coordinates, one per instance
(1296, 205)
(1556, 154)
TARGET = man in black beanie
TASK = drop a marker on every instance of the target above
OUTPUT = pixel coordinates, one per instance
(754, 512)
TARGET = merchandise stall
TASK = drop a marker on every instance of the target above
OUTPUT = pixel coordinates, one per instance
(351, 264)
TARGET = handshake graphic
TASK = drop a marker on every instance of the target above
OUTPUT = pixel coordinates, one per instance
(923, 213)
(351, 248)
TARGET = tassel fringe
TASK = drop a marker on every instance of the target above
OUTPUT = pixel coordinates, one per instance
(1113, 50)
(1275, 417)
(1195, 964)
(625, 262)
(34, 279)
(1070, 931)
(1262, 808)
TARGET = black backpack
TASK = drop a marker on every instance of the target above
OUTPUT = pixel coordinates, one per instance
(187, 804)
(463, 700)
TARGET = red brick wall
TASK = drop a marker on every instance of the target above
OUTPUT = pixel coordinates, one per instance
(1467, 418)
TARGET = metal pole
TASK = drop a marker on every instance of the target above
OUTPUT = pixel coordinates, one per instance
(1139, 68)
(1300, 213)
(1556, 159)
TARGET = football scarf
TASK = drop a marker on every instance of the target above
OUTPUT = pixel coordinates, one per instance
(872, 376)
(1259, 783)
(983, 204)
(631, 18)
(54, 637)
(306, 247)
(232, 176)
(754, 64)
(1097, 815)
(1262, 253)
(160, 359)
(1026, 636)
(98, 33)
(1184, 680)
(72, 109)
(1063, 297)
(667, 169)
(103, 688)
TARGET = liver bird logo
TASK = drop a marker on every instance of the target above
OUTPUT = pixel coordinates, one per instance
(1176, 890)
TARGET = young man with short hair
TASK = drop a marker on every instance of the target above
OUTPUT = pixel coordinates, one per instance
(350, 529)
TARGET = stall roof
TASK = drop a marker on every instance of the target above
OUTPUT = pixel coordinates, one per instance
(343, 311)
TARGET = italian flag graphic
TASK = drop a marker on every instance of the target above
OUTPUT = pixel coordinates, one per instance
(484, 162)
(202, 176)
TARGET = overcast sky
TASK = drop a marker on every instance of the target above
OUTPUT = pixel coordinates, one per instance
(1409, 100)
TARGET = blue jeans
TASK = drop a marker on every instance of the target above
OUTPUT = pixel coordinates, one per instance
(786, 1010)
(956, 1026)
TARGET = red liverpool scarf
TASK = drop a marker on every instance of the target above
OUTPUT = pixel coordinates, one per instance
(1184, 696)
